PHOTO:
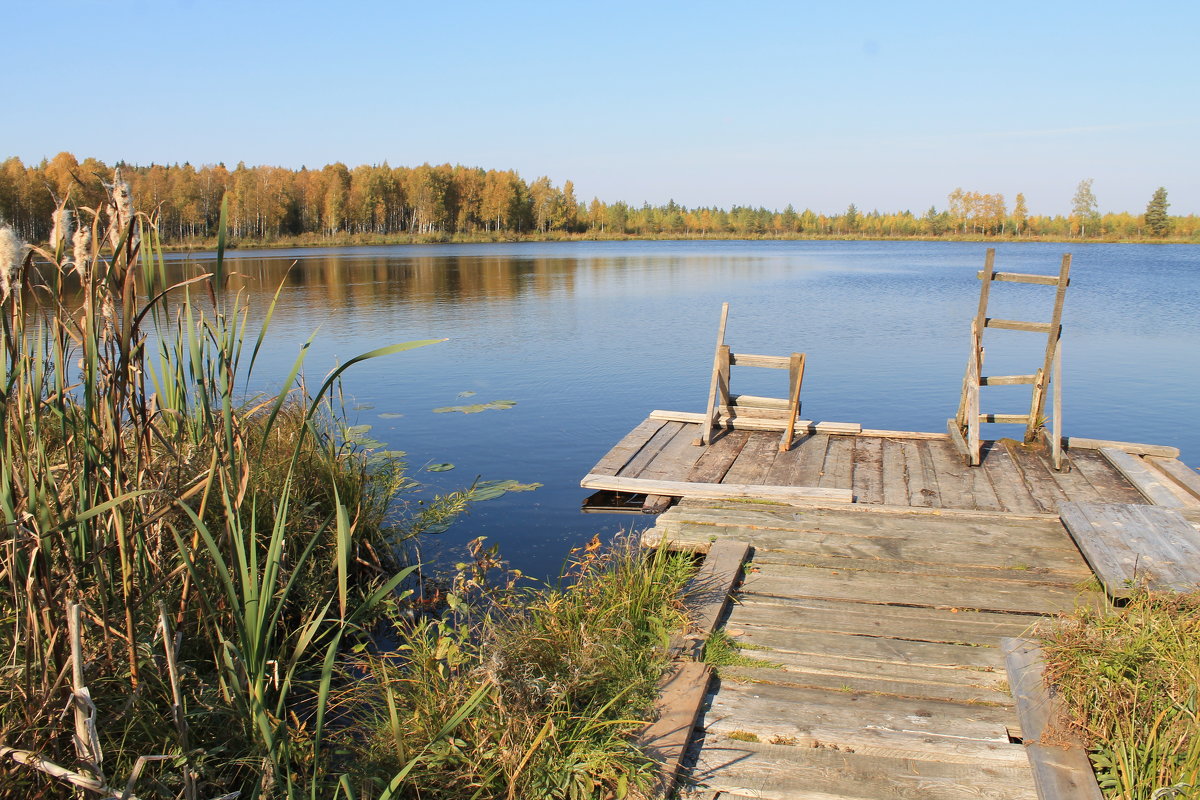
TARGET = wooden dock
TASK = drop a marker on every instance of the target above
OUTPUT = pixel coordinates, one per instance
(885, 573)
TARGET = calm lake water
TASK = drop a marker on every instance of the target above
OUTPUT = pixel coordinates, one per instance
(587, 338)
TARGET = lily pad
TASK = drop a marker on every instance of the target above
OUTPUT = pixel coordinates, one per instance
(467, 393)
(477, 407)
(390, 415)
(439, 468)
(490, 490)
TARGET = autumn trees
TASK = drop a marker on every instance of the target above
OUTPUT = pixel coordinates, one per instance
(336, 201)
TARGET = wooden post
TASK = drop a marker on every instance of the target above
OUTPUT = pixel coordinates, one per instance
(795, 380)
(706, 427)
(1056, 381)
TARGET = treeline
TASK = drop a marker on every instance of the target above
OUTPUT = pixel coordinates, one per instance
(270, 203)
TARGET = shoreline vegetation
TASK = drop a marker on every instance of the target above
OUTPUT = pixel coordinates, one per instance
(209, 594)
(1129, 677)
(378, 204)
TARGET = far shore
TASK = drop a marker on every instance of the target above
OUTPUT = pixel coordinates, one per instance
(378, 239)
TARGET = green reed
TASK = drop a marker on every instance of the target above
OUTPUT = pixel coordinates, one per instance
(192, 535)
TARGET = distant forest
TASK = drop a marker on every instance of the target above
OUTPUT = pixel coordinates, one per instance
(336, 203)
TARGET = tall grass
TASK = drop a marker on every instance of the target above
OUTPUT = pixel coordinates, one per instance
(197, 583)
(172, 553)
(555, 681)
(1130, 677)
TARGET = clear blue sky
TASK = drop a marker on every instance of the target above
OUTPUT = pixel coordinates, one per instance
(888, 105)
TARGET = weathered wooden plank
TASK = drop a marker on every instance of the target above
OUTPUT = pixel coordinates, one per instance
(738, 770)
(992, 556)
(1064, 773)
(1184, 476)
(947, 732)
(754, 462)
(837, 471)
(922, 477)
(1148, 481)
(675, 460)
(1104, 477)
(1134, 545)
(1080, 443)
(649, 451)
(710, 588)
(960, 486)
(845, 675)
(1026, 597)
(749, 423)
(895, 474)
(777, 643)
(801, 465)
(942, 525)
(915, 623)
(1070, 481)
(1019, 277)
(885, 434)
(868, 469)
(718, 457)
(627, 448)
(851, 558)
(1007, 480)
(1017, 325)
(781, 494)
(681, 695)
(1036, 476)
(656, 504)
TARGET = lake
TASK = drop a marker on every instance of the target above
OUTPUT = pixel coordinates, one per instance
(585, 338)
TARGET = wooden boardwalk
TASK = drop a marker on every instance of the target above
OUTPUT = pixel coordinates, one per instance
(873, 638)
(884, 575)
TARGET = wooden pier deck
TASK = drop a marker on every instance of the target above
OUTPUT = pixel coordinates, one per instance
(836, 461)
(884, 575)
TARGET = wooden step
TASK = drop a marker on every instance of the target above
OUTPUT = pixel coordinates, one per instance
(1020, 419)
(729, 769)
(869, 723)
(1007, 380)
(1016, 325)
(1020, 277)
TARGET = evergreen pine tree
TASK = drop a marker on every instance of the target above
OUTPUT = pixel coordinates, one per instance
(1157, 221)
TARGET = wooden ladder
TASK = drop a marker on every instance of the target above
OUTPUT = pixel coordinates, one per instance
(724, 408)
(964, 427)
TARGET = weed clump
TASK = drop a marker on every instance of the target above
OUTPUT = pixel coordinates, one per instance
(541, 689)
(1130, 677)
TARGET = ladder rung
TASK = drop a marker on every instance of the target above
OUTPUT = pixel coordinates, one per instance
(746, 360)
(1019, 277)
(1007, 380)
(1018, 418)
(753, 401)
(1016, 325)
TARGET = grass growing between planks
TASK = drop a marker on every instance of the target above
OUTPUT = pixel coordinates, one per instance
(524, 693)
(1130, 677)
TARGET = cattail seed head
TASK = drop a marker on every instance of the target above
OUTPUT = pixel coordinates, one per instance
(11, 250)
(82, 248)
(120, 208)
(64, 222)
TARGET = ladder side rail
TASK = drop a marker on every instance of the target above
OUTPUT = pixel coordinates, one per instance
(707, 426)
(795, 381)
(1052, 339)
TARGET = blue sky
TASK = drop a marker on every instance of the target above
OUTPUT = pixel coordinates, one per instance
(887, 105)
